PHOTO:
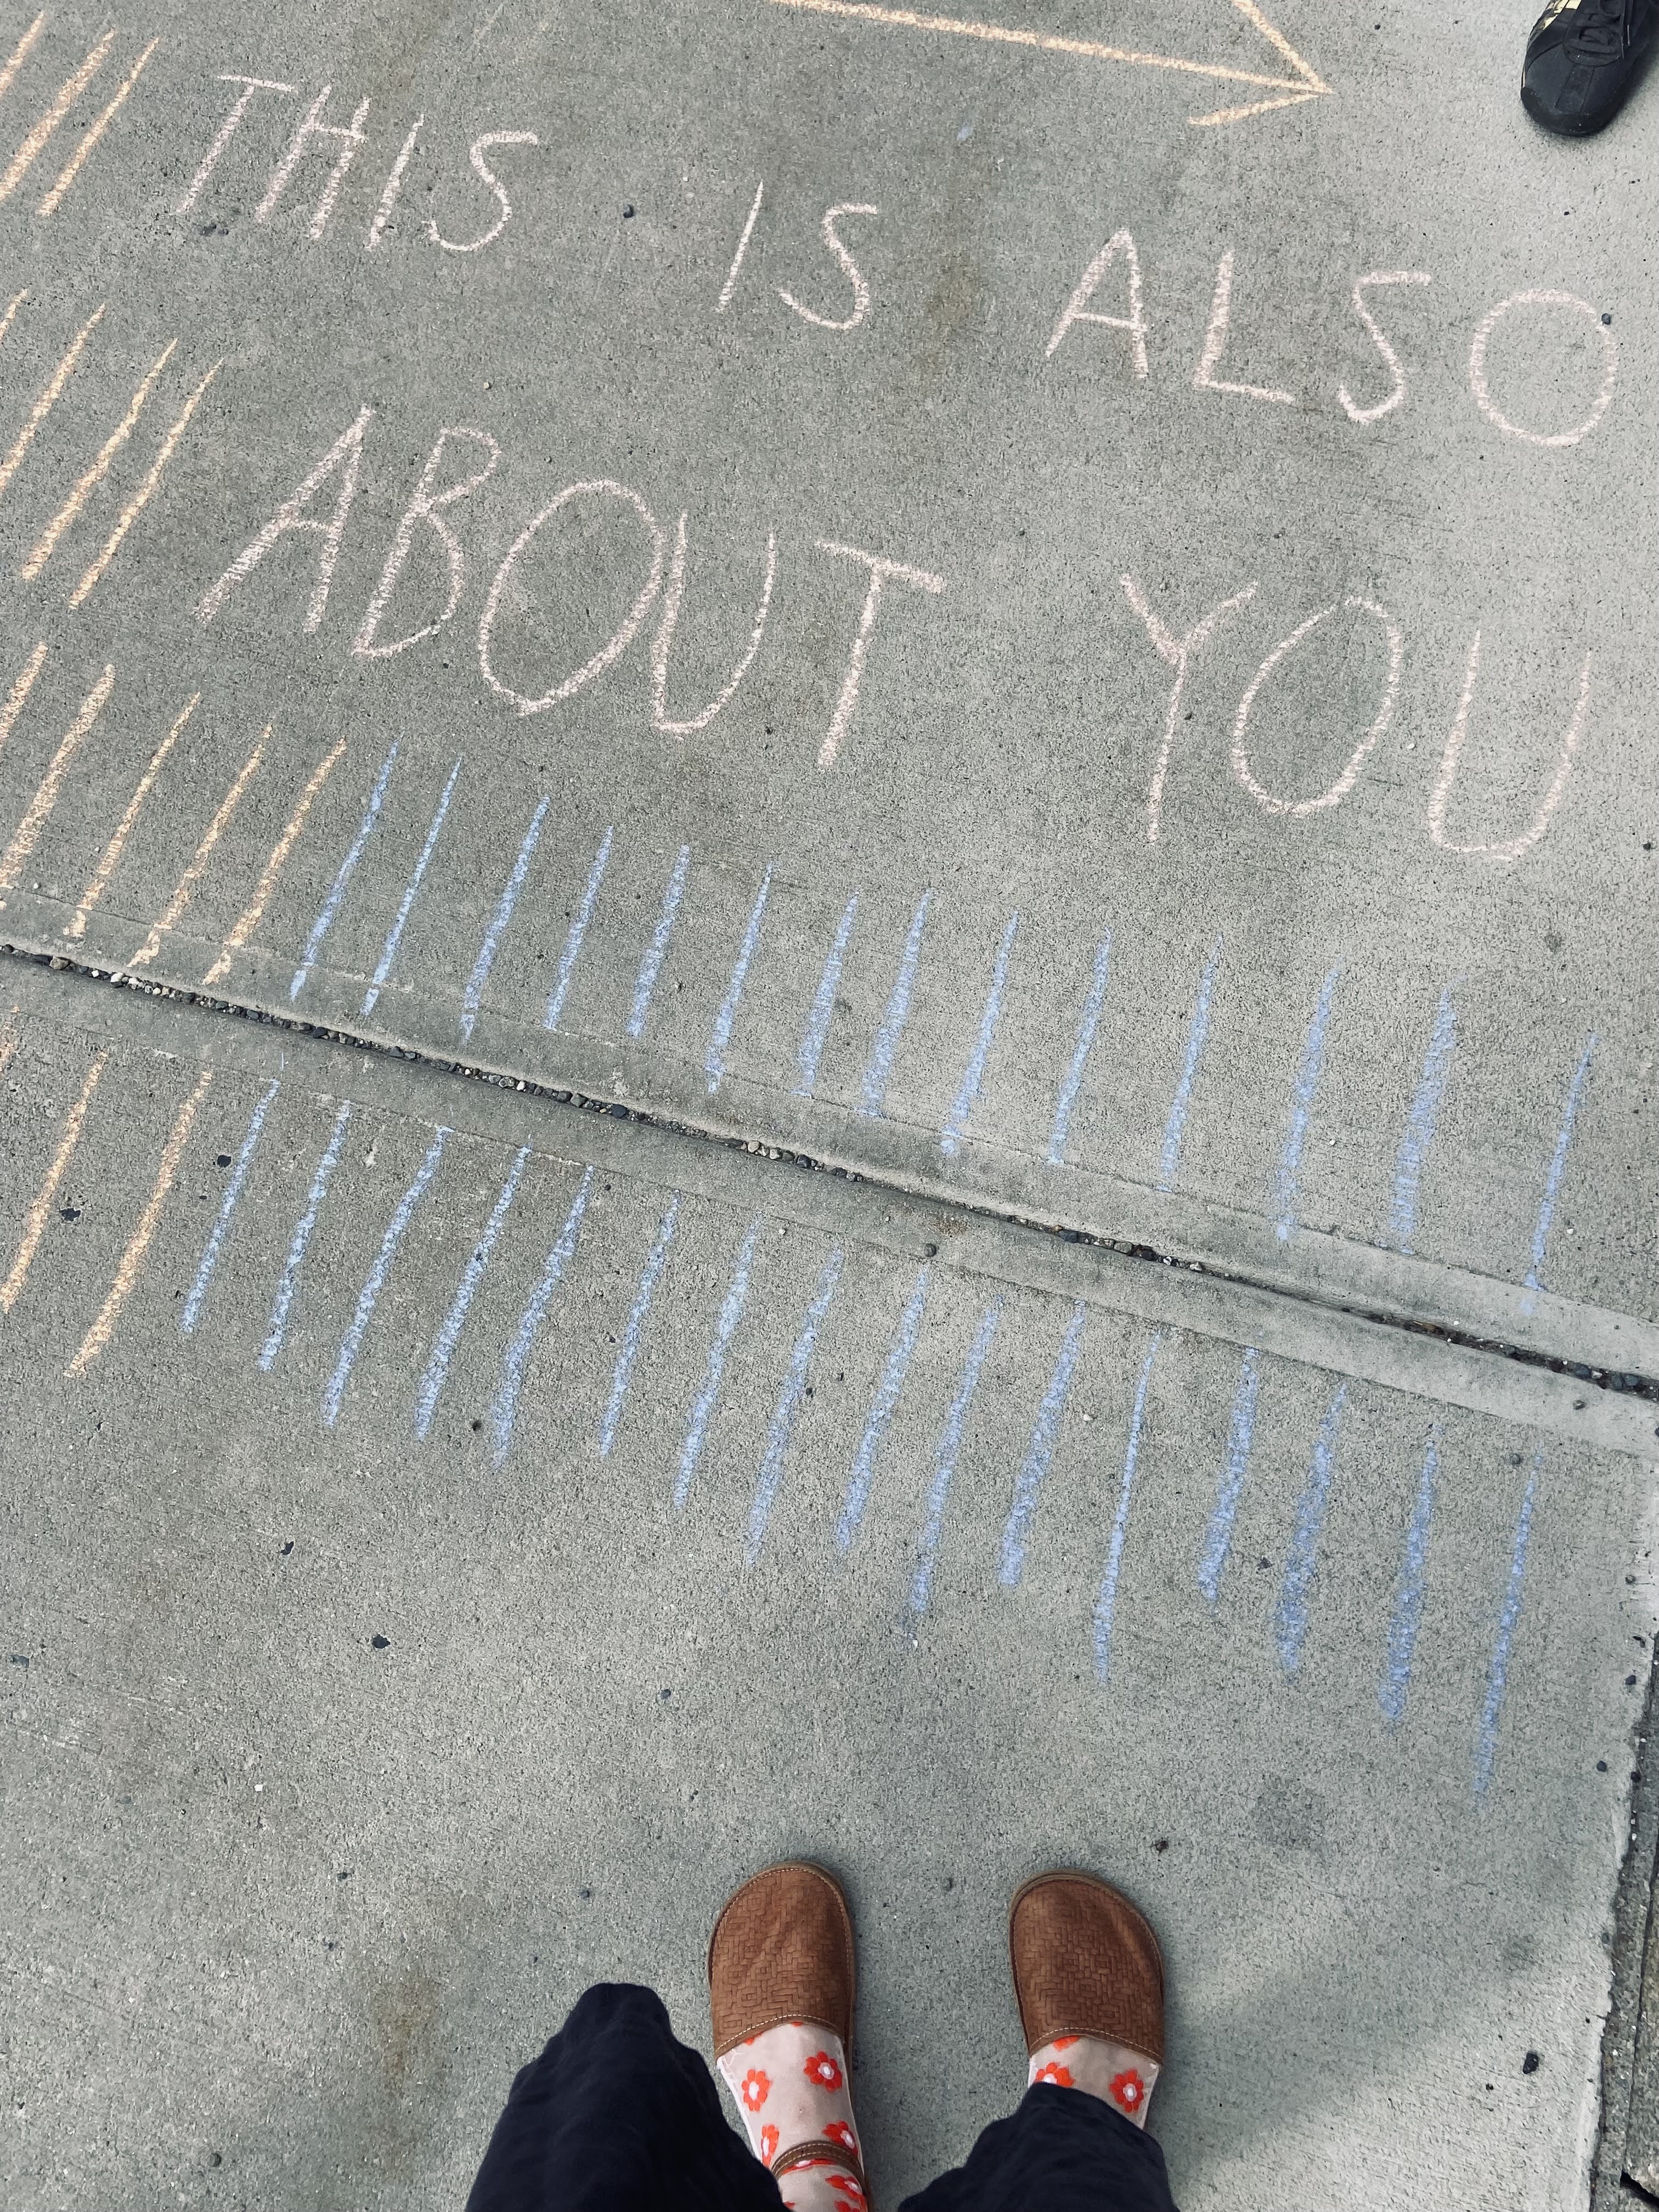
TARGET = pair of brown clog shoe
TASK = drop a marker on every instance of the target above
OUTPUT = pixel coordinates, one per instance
(1084, 1963)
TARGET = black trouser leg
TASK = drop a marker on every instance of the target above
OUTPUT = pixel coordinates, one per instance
(1061, 2151)
(616, 2116)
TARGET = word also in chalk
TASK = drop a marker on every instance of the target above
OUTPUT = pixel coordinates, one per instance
(338, 143)
(1368, 299)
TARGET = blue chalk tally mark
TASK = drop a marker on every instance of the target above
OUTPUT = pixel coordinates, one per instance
(1040, 1452)
(1498, 1673)
(1302, 1099)
(472, 997)
(1241, 1432)
(369, 1297)
(574, 934)
(732, 1306)
(641, 1306)
(945, 1461)
(290, 1281)
(1106, 1603)
(347, 868)
(973, 1075)
(1088, 1022)
(882, 1407)
(770, 1477)
(1408, 1595)
(394, 936)
(1420, 1124)
(720, 1036)
(198, 1289)
(1174, 1129)
(873, 1091)
(1541, 1234)
(1296, 1587)
(504, 1410)
(472, 1275)
(824, 1006)
(651, 967)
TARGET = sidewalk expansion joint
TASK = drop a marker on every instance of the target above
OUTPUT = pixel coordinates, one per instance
(1612, 1382)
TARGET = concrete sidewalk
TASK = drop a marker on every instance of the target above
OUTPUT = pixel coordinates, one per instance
(880, 790)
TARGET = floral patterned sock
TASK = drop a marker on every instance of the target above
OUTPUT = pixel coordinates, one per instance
(1122, 2077)
(791, 2087)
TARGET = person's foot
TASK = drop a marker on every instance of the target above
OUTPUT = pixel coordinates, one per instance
(1089, 1977)
(783, 1977)
(1584, 58)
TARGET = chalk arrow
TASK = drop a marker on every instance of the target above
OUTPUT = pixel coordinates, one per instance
(1282, 91)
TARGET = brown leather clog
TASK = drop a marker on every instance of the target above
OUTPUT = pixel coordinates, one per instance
(1084, 1963)
(782, 1949)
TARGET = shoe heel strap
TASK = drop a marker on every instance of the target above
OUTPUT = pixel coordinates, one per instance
(804, 2153)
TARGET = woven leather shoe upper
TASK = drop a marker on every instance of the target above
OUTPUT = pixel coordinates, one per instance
(1085, 1963)
(782, 1949)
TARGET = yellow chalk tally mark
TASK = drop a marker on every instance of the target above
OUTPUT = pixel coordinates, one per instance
(187, 884)
(27, 835)
(77, 161)
(21, 689)
(41, 551)
(98, 882)
(48, 399)
(67, 93)
(141, 499)
(1307, 84)
(138, 1243)
(20, 54)
(34, 1221)
(253, 913)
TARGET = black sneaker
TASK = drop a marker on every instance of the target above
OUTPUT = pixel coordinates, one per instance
(1582, 59)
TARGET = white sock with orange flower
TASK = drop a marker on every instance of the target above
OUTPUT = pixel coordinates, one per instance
(1121, 2077)
(791, 2087)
